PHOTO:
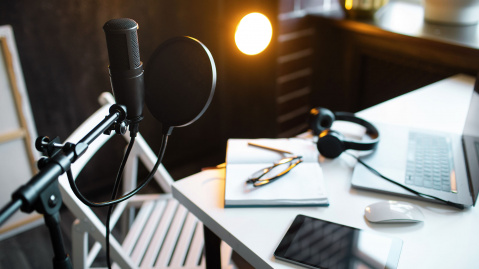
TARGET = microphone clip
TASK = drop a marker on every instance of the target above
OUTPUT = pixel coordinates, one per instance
(119, 126)
(48, 147)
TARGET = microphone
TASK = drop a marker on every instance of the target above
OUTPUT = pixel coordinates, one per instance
(126, 69)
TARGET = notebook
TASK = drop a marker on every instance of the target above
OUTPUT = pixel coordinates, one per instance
(441, 160)
(302, 186)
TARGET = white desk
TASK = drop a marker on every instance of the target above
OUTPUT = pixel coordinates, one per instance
(448, 238)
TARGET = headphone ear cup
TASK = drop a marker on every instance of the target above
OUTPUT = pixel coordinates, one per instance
(330, 144)
(320, 119)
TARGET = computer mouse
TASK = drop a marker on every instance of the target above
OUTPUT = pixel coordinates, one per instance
(393, 212)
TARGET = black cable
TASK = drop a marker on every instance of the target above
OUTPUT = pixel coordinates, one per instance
(116, 186)
(75, 190)
(161, 153)
(374, 171)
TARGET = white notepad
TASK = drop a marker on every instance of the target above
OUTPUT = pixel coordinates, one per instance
(302, 186)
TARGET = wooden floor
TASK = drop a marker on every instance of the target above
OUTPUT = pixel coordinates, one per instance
(32, 249)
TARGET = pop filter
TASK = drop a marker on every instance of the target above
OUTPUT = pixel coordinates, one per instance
(180, 80)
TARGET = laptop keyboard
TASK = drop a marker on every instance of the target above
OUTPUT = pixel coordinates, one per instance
(429, 162)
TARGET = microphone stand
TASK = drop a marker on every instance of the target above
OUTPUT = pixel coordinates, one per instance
(42, 194)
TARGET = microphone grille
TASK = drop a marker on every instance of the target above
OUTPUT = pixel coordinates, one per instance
(120, 24)
(118, 33)
(135, 50)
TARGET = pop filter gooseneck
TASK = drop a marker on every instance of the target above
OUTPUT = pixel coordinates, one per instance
(180, 80)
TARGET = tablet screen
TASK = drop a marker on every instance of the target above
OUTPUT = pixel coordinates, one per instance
(316, 243)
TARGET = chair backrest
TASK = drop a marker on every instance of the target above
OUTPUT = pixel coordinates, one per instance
(140, 151)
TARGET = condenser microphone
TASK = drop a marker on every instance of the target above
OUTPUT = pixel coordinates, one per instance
(180, 81)
(126, 69)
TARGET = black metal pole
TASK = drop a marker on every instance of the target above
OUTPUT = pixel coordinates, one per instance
(49, 205)
(28, 194)
(116, 113)
(9, 209)
(42, 194)
(61, 259)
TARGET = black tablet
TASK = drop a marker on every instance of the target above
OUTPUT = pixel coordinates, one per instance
(315, 243)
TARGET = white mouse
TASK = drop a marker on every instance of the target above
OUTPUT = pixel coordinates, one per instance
(393, 212)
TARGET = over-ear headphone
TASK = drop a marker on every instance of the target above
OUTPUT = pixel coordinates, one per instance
(331, 143)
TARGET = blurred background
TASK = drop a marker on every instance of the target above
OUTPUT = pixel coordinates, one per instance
(318, 56)
(312, 60)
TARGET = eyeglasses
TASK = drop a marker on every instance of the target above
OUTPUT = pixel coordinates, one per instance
(271, 173)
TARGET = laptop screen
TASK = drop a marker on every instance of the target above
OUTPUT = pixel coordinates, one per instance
(471, 141)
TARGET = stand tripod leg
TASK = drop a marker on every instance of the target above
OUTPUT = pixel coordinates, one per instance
(61, 259)
(49, 204)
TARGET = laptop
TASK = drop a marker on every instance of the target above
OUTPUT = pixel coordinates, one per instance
(433, 160)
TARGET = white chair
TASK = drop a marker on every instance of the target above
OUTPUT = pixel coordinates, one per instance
(162, 234)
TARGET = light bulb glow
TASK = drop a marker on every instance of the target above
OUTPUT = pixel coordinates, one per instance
(348, 4)
(253, 33)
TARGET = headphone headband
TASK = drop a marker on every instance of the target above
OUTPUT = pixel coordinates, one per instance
(331, 143)
(371, 131)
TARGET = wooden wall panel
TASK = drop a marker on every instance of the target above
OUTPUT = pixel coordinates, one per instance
(248, 81)
(295, 67)
(357, 65)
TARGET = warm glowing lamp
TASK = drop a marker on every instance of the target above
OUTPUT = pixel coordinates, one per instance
(253, 33)
(348, 4)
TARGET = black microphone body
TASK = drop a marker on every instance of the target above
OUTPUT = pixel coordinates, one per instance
(126, 69)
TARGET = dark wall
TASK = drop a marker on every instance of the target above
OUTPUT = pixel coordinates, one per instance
(359, 64)
(248, 85)
(63, 53)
